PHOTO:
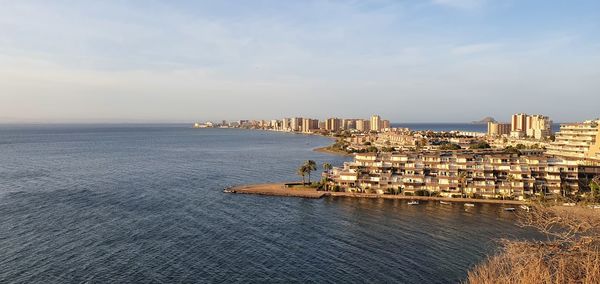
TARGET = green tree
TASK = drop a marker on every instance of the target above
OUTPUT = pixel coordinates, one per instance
(310, 166)
(450, 146)
(480, 145)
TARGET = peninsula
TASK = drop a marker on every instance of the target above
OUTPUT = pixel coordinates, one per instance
(510, 164)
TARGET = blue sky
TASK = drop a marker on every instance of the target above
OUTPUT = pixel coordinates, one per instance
(410, 61)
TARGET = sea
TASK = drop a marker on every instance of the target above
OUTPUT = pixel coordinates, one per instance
(145, 204)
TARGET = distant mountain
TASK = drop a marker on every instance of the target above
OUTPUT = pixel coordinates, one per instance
(485, 120)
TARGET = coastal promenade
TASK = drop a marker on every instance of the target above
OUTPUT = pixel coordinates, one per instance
(279, 189)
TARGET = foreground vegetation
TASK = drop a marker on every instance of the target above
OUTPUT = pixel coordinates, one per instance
(570, 252)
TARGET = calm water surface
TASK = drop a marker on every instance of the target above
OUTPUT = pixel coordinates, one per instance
(131, 203)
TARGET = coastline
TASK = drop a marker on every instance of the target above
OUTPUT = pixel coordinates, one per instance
(279, 189)
(328, 150)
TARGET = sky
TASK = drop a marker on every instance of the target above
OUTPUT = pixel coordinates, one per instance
(408, 61)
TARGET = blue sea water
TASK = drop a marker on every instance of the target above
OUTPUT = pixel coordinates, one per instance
(144, 203)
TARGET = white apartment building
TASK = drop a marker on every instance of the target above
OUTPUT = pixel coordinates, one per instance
(577, 140)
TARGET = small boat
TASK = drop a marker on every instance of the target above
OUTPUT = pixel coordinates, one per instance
(569, 204)
(525, 207)
(228, 190)
(413, 202)
(509, 209)
(469, 205)
(445, 203)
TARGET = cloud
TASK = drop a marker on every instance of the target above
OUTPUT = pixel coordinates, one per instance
(474, 48)
(461, 4)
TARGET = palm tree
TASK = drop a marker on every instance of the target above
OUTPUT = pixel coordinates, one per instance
(327, 167)
(310, 166)
(301, 171)
(510, 179)
(462, 179)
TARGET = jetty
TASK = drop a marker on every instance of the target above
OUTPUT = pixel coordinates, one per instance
(296, 190)
(278, 189)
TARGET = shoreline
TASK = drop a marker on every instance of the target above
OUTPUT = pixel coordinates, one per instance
(279, 189)
(328, 150)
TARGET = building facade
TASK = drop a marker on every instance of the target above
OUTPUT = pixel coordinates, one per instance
(534, 126)
(363, 125)
(296, 124)
(485, 174)
(309, 125)
(498, 129)
(577, 140)
(333, 124)
(375, 123)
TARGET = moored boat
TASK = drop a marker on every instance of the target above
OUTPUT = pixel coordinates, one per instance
(413, 202)
(509, 209)
(469, 205)
(445, 203)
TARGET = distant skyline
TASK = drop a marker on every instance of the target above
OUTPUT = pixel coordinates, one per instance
(408, 61)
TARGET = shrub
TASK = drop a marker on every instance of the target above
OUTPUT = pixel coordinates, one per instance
(571, 253)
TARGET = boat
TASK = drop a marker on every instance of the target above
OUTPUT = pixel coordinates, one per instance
(228, 190)
(445, 203)
(413, 202)
(469, 205)
(509, 209)
(569, 204)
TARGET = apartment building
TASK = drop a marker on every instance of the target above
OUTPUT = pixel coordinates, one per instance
(296, 124)
(349, 123)
(498, 129)
(375, 123)
(363, 125)
(385, 124)
(286, 124)
(534, 126)
(333, 124)
(309, 125)
(577, 140)
(483, 173)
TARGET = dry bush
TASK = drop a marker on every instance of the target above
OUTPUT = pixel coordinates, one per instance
(570, 254)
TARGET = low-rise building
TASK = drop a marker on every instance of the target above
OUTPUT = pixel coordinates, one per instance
(482, 173)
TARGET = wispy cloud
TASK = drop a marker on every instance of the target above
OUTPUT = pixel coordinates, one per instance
(474, 48)
(179, 60)
(461, 4)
